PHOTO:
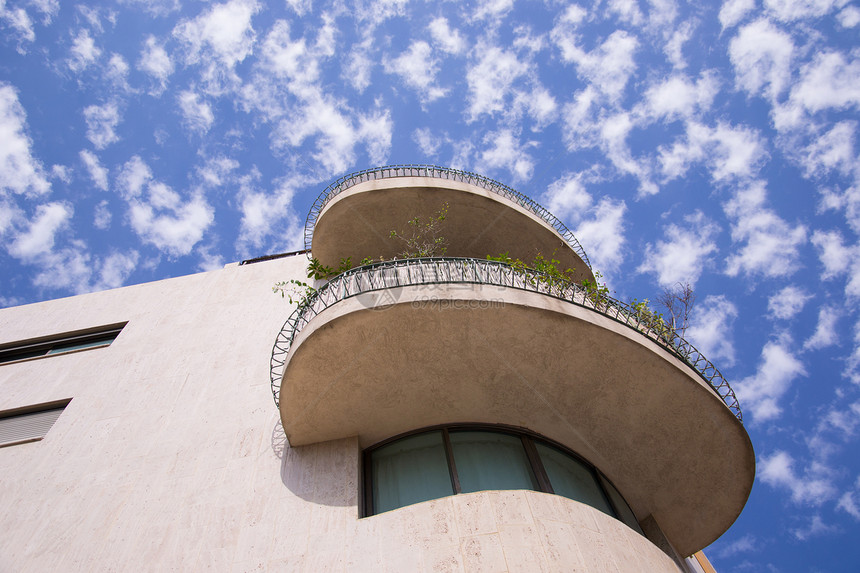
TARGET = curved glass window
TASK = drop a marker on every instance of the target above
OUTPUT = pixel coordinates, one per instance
(447, 461)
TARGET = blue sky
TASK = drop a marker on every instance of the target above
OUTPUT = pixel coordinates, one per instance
(710, 143)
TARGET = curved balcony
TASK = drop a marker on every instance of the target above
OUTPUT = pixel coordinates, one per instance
(354, 216)
(390, 347)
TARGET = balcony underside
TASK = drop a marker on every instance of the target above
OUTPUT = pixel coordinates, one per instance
(357, 223)
(500, 355)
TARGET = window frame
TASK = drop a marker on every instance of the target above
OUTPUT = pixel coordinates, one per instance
(24, 411)
(527, 438)
(53, 345)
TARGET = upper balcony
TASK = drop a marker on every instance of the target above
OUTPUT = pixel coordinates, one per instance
(396, 346)
(355, 215)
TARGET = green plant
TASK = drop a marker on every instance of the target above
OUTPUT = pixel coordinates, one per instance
(650, 318)
(294, 291)
(424, 238)
(540, 271)
(319, 271)
(596, 292)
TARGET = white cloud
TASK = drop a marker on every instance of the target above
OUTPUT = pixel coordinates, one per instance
(626, 10)
(504, 150)
(102, 216)
(834, 150)
(39, 237)
(491, 79)
(336, 135)
(197, 113)
(492, 9)
(20, 172)
(219, 39)
(849, 505)
(98, 173)
(567, 198)
(832, 253)
(265, 214)
(770, 245)
(117, 71)
(601, 233)
(83, 51)
(674, 48)
(155, 61)
(678, 97)
(359, 65)
(133, 177)
(811, 488)
(789, 10)
(733, 11)
(845, 421)
(825, 331)
(607, 67)
(541, 106)
(158, 214)
(614, 131)
(685, 252)
(217, 170)
(849, 17)
(730, 152)
(710, 329)
(101, 124)
(761, 392)
(761, 54)
(787, 302)
(114, 269)
(418, 69)
(580, 120)
(428, 143)
(829, 81)
(19, 21)
(449, 40)
(223, 32)
(815, 528)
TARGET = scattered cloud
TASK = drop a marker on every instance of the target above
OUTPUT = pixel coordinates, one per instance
(39, 237)
(601, 233)
(196, 113)
(491, 79)
(776, 371)
(733, 11)
(769, 244)
(158, 214)
(787, 302)
(825, 331)
(684, 253)
(710, 329)
(83, 52)
(761, 54)
(98, 173)
(101, 124)
(20, 172)
(155, 61)
(504, 151)
(448, 40)
(418, 69)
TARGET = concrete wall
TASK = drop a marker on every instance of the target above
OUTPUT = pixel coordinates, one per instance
(171, 457)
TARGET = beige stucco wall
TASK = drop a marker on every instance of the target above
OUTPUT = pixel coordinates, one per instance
(171, 457)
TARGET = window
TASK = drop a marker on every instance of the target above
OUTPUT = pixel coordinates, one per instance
(60, 344)
(438, 462)
(30, 423)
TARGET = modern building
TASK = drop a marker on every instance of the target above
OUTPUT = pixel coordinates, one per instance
(444, 414)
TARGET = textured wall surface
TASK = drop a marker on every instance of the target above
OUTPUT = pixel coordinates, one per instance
(171, 457)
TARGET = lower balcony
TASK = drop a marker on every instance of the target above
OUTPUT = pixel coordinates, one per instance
(388, 348)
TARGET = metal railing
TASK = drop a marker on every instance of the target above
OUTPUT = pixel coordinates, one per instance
(448, 270)
(392, 171)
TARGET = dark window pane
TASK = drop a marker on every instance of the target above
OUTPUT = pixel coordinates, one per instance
(409, 471)
(571, 478)
(487, 460)
(625, 514)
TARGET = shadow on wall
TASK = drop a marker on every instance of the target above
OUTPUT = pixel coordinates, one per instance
(324, 473)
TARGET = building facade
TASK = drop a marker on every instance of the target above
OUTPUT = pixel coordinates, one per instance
(432, 414)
